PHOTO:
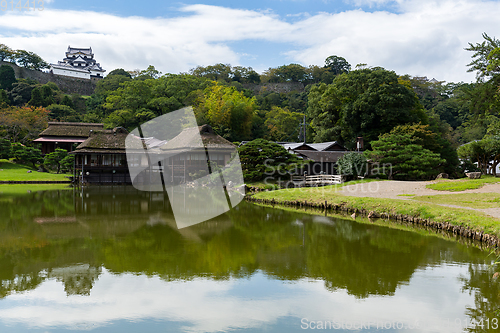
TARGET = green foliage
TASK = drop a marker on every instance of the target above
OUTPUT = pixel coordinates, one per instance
(227, 110)
(55, 159)
(23, 154)
(67, 163)
(4, 99)
(30, 60)
(261, 159)
(226, 73)
(22, 124)
(61, 112)
(337, 65)
(120, 71)
(399, 157)
(352, 164)
(5, 149)
(6, 53)
(136, 100)
(282, 125)
(364, 102)
(7, 77)
(482, 152)
(21, 93)
(485, 59)
(42, 96)
(285, 73)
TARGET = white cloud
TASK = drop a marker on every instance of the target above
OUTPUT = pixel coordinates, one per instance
(422, 38)
(433, 295)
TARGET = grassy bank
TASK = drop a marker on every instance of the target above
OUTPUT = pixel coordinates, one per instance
(17, 189)
(414, 208)
(10, 171)
(458, 185)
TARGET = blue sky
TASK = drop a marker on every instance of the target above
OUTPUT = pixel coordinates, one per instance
(416, 37)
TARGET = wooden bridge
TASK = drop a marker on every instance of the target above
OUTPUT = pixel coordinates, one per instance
(316, 180)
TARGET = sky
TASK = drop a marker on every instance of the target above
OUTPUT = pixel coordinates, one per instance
(415, 37)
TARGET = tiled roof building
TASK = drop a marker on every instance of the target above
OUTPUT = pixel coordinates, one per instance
(80, 63)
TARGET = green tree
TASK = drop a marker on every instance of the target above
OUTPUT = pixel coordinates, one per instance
(352, 164)
(337, 65)
(4, 99)
(24, 154)
(364, 102)
(285, 73)
(149, 73)
(398, 157)
(7, 77)
(120, 71)
(30, 60)
(261, 159)
(227, 110)
(282, 124)
(165, 94)
(5, 148)
(218, 72)
(63, 113)
(67, 163)
(486, 57)
(53, 160)
(6, 53)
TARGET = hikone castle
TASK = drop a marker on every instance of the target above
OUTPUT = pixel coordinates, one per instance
(79, 63)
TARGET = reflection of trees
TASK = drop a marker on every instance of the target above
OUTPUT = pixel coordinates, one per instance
(70, 235)
(362, 258)
(486, 291)
(78, 279)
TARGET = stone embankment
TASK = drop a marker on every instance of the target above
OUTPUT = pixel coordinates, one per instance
(461, 230)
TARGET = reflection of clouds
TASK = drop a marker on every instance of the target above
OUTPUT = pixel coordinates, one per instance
(432, 297)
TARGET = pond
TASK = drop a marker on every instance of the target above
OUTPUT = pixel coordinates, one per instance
(111, 259)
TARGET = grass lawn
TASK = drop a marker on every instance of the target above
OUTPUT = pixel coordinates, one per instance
(472, 200)
(457, 185)
(426, 210)
(17, 189)
(19, 172)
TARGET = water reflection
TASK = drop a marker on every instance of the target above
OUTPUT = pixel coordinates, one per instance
(98, 244)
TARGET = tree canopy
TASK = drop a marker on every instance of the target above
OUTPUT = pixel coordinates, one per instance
(364, 102)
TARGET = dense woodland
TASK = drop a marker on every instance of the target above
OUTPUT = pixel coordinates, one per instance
(420, 126)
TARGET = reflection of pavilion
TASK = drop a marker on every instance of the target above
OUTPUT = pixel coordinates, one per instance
(77, 279)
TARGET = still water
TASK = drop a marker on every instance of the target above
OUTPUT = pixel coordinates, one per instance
(113, 260)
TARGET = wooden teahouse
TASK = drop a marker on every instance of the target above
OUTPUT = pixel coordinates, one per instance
(65, 135)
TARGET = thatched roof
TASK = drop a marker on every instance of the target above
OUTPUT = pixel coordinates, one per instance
(108, 141)
(65, 129)
(189, 139)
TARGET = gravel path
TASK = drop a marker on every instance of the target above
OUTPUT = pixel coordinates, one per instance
(393, 189)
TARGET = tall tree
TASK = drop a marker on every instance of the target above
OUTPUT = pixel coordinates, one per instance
(485, 59)
(364, 102)
(7, 77)
(227, 110)
(337, 65)
(282, 125)
(53, 160)
(5, 148)
(399, 157)
(30, 60)
(6, 53)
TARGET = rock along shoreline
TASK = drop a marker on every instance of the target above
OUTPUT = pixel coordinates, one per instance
(460, 230)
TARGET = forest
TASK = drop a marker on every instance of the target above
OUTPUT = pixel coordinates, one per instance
(424, 126)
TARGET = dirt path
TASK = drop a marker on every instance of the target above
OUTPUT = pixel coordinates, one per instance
(405, 190)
